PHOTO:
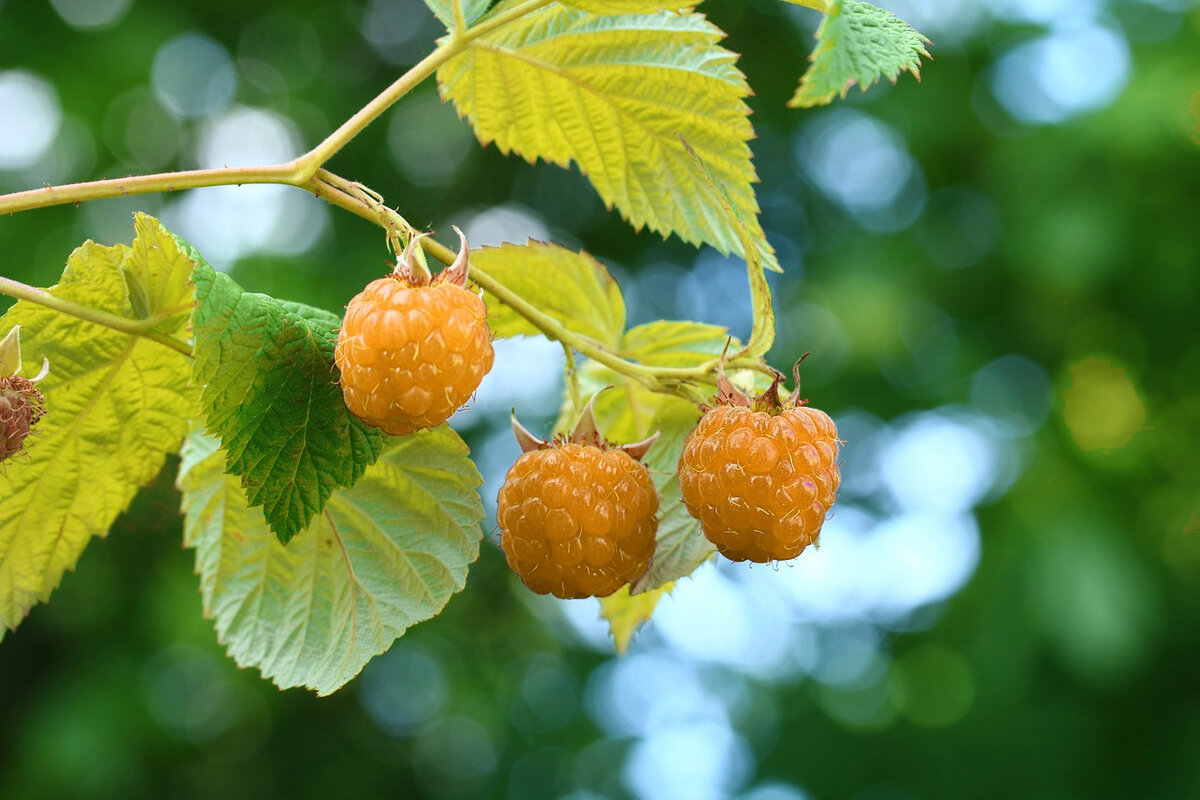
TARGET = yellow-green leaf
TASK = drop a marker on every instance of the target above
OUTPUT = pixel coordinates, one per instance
(858, 43)
(116, 405)
(629, 6)
(619, 95)
(381, 557)
(573, 288)
(161, 268)
(674, 343)
(762, 334)
(626, 613)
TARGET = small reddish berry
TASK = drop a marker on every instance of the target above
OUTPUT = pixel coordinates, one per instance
(760, 475)
(578, 516)
(21, 404)
(412, 350)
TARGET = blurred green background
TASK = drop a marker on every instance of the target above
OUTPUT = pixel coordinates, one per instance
(995, 270)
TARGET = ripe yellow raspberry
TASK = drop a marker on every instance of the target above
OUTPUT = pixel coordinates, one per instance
(760, 477)
(412, 351)
(578, 517)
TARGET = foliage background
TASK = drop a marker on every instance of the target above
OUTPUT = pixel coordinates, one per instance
(996, 272)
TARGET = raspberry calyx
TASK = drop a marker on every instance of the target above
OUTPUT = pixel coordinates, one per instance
(760, 474)
(578, 514)
(414, 348)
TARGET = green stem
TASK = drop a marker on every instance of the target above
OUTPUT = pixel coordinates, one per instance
(571, 374)
(116, 322)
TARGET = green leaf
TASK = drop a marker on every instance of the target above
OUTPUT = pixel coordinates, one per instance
(618, 95)
(762, 333)
(629, 6)
(160, 270)
(672, 343)
(444, 9)
(381, 557)
(270, 393)
(573, 288)
(858, 43)
(625, 613)
(116, 405)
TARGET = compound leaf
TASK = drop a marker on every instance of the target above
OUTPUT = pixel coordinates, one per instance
(573, 288)
(619, 95)
(270, 393)
(858, 43)
(116, 405)
(381, 557)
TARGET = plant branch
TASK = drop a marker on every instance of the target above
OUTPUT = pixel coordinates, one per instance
(116, 322)
(140, 184)
(292, 173)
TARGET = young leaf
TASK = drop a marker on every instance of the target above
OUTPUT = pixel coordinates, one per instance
(858, 43)
(444, 9)
(270, 394)
(574, 288)
(10, 352)
(160, 268)
(382, 556)
(116, 405)
(625, 613)
(615, 94)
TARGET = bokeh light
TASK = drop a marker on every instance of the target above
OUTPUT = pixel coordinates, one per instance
(1101, 404)
(30, 116)
(91, 14)
(1073, 69)
(194, 76)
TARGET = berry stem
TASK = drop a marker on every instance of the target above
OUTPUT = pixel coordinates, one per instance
(571, 374)
(143, 328)
(329, 187)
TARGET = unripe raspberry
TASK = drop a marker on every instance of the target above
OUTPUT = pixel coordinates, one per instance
(760, 477)
(21, 404)
(412, 351)
(577, 518)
